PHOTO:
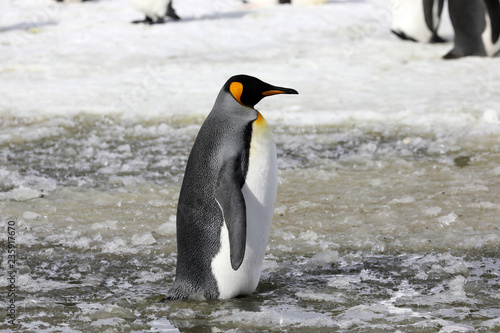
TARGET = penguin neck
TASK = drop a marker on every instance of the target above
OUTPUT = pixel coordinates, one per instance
(227, 106)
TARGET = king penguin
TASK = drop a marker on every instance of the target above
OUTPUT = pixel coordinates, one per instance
(477, 28)
(283, 2)
(155, 10)
(417, 20)
(227, 196)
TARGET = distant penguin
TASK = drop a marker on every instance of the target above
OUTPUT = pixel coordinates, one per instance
(282, 2)
(68, 1)
(417, 20)
(477, 28)
(227, 196)
(155, 10)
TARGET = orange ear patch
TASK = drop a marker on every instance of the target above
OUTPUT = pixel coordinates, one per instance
(236, 89)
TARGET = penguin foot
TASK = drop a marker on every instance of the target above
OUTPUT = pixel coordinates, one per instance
(403, 36)
(147, 20)
(451, 55)
(456, 54)
(437, 39)
(150, 21)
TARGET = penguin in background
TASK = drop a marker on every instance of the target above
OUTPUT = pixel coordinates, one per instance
(417, 20)
(282, 2)
(227, 197)
(477, 28)
(155, 10)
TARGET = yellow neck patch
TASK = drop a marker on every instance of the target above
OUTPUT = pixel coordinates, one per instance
(260, 121)
(236, 89)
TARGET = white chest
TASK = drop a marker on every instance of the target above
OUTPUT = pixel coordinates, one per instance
(259, 192)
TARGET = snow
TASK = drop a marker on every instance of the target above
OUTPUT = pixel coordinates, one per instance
(149, 74)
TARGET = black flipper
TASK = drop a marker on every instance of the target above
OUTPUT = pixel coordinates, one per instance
(493, 7)
(230, 198)
(171, 12)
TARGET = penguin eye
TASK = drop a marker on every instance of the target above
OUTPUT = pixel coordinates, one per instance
(236, 89)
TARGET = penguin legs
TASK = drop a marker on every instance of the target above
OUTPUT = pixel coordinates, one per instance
(432, 14)
(468, 20)
(147, 20)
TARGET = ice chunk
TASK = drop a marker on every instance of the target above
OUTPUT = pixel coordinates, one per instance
(456, 286)
(432, 211)
(421, 275)
(491, 116)
(310, 295)
(405, 199)
(23, 193)
(82, 243)
(163, 325)
(448, 219)
(340, 282)
(105, 225)
(270, 265)
(308, 235)
(26, 282)
(143, 239)
(167, 228)
(157, 203)
(454, 328)
(116, 245)
(281, 210)
(456, 267)
(27, 215)
(124, 148)
(326, 257)
(492, 323)
(488, 205)
(113, 311)
(495, 171)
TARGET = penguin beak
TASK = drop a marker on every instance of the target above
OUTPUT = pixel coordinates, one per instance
(279, 90)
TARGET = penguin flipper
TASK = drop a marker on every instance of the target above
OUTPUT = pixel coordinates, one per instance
(232, 203)
(171, 12)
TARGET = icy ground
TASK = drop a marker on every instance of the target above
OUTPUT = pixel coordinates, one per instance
(389, 188)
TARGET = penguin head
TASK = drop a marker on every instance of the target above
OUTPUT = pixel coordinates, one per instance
(249, 90)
